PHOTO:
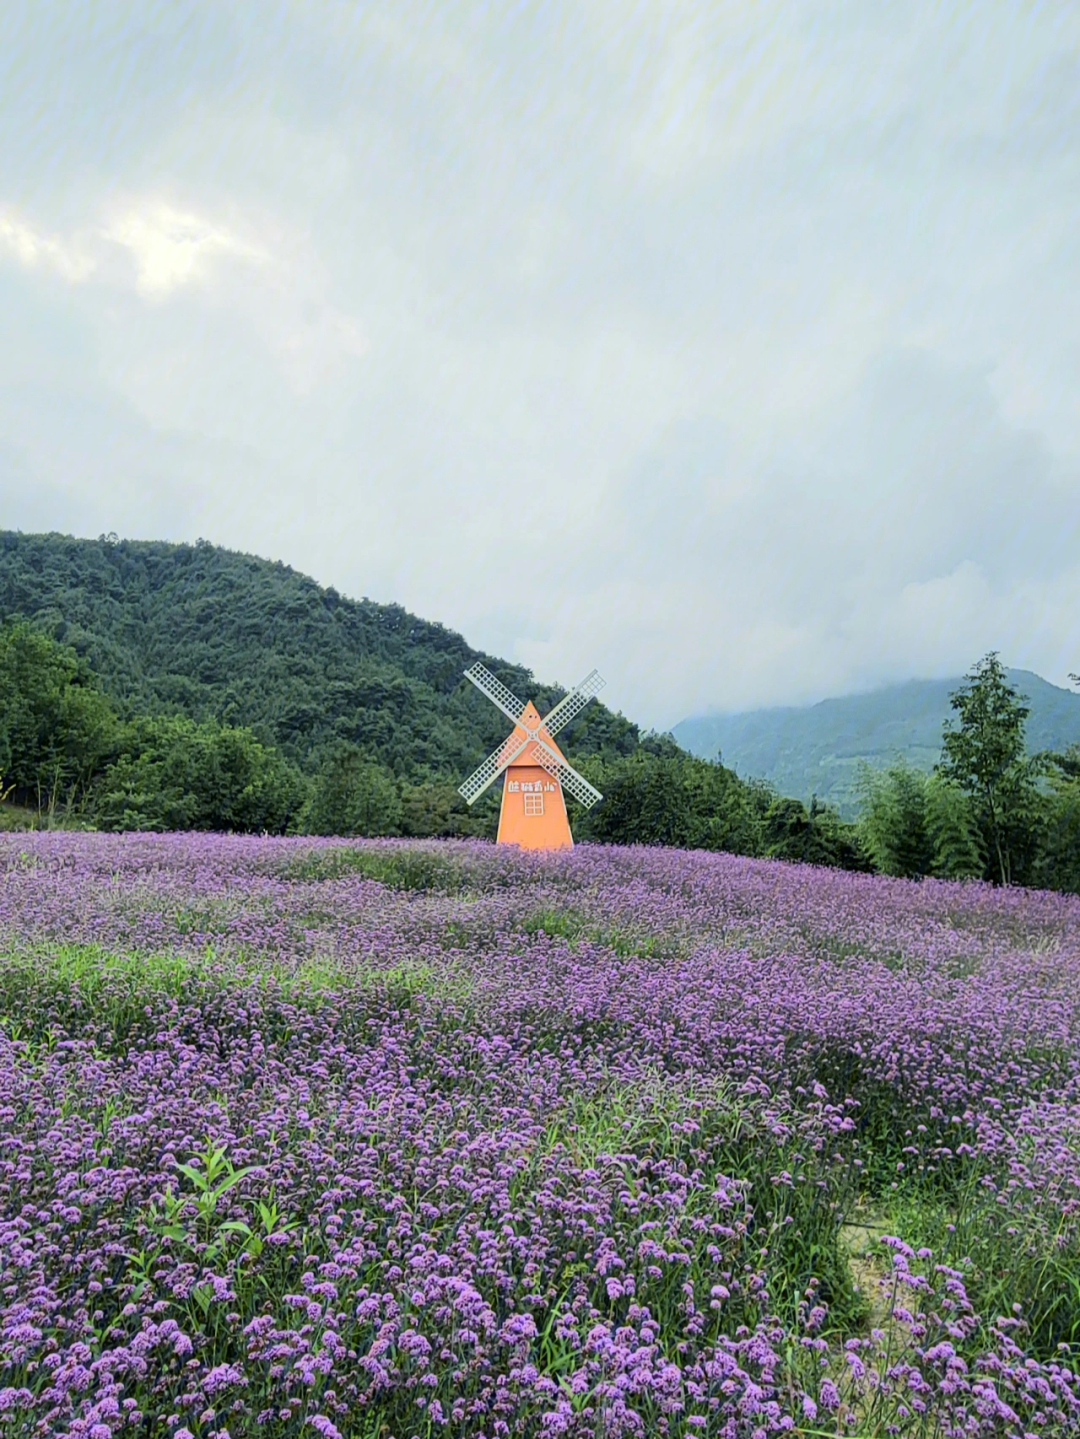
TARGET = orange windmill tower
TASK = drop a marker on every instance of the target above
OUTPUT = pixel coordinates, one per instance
(533, 812)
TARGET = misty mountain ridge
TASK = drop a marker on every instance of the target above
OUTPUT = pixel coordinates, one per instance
(818, 749)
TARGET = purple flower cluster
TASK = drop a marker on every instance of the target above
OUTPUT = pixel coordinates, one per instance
(376, 1139)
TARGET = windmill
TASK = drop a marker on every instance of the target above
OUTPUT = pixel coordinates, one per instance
(533, 812)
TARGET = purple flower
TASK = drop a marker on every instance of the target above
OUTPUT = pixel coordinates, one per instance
(472, 1145)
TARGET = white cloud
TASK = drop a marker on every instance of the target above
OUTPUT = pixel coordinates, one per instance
(169, 248)
(34, 249)
(279, 292)
(172, 248)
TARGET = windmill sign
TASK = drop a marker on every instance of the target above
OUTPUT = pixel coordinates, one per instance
(533, 812)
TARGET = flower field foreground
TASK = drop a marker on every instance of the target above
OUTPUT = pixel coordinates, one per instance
(378, 1140)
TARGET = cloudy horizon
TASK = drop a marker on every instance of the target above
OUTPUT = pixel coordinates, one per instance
(731, 349)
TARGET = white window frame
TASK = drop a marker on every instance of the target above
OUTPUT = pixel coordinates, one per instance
(534, 804)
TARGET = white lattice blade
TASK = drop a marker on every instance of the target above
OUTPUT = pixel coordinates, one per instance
(579, 786)
(490, 770)
(567, 775)
(571, 705)
(496, 691)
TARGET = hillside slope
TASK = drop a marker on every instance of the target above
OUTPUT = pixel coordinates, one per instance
(204, 631)
(817, 749)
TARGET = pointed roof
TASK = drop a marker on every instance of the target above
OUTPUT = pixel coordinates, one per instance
(531, 716)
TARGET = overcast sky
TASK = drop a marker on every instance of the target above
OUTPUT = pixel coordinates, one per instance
(733, 348)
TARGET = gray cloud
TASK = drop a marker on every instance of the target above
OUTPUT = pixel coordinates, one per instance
(910, 522)
(729, 348)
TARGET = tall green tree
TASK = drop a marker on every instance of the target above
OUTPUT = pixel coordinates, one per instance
(670, 798)
(893, 823)
(352, 795)
(951, 828)
(56, 728)
(176, 774)
(914, 824)
(1058, 865)
(644, 803)
(983, 753)
(437, 811)
(814, 835)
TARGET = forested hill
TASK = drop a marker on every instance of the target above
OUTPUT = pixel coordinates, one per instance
(203, 631)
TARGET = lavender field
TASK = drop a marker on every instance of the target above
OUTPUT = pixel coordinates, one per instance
(364, 1139)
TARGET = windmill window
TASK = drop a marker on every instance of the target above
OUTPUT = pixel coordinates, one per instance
(534, 803)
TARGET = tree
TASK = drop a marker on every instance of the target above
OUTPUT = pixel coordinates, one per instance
(437, 811)
(893, 823)
(56, 728)
(727, 811)
(810, 836)
(645, 802)
(662, 796)
(914, 824)
(983, 754)
(176, 774)
(1058, 865)
(952, 831)
(353, 795)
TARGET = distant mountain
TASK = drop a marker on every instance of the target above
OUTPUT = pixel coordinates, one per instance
(203, 631)
(817, 749)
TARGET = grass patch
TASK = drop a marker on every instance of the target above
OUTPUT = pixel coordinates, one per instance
(15, 817)
(396, 867)
(1014, 1259)
(557, 923)
(623, 940)
(796, 1199)
(50, 992)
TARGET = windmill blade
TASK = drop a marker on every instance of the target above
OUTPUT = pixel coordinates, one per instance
(492, 768)
(496, 692)
(571, 705)
(566, 774)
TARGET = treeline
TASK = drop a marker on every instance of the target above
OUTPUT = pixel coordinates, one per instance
(663, 796)
(69, 756)
(243, 695)
(989, 810)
